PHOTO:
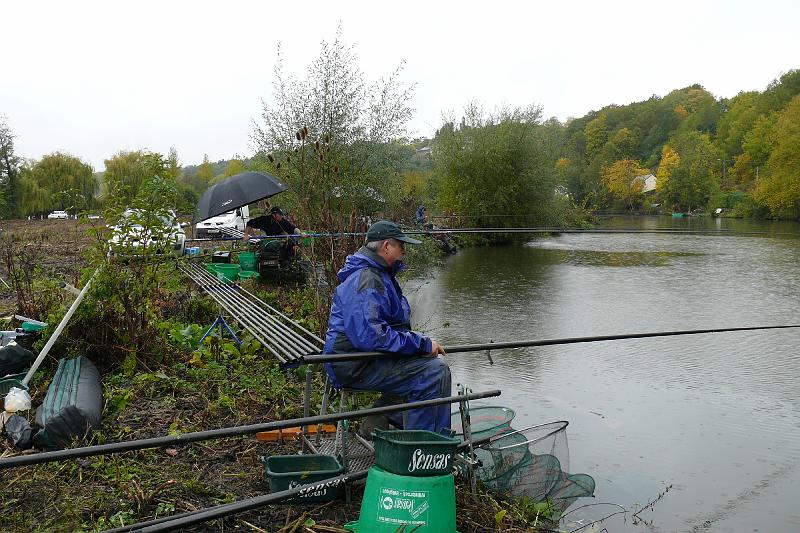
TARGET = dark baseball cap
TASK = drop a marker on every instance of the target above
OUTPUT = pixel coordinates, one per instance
(384, 229)
(276, 211)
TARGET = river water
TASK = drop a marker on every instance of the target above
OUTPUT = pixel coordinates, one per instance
(715, 417)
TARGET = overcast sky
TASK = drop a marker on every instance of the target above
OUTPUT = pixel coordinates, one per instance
(94, 78)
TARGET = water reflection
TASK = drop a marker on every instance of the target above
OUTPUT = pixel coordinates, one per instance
(715, 416)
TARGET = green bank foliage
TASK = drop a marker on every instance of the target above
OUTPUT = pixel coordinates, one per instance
(339, 141)
(738, 153)
(502, 163)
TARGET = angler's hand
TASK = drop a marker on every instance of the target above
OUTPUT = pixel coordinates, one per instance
(436, 349)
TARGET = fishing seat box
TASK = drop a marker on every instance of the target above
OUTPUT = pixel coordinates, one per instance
(72, 406)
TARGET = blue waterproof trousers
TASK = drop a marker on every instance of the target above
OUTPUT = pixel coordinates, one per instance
(411, 377)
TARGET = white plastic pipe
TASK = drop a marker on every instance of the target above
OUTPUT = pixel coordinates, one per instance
(54, 337)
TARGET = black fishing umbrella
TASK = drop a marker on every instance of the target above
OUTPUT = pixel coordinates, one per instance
(237, 191)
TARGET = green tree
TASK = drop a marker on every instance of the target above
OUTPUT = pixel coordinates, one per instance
(9, 171)
(779, 187)
(742, 112)
(126, 171)
(691, 182)
(331, 136)
(58, 181)
(596, 136)
(206, 171)
(173, 166)
(757, 144)
(235, 166)
(496, 164)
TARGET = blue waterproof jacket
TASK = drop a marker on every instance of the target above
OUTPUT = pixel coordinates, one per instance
(369, 312)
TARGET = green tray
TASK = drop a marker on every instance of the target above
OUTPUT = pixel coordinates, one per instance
(289, 471)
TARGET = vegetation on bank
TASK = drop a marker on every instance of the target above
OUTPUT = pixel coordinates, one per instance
(141, 323)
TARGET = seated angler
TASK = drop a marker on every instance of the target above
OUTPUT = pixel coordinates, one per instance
(369, 314)
(273, 225)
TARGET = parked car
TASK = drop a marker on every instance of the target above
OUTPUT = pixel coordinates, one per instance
(232, 220)
(139, 230)
(58, 214)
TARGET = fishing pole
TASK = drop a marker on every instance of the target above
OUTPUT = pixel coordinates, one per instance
(456, 231)
(331, 358)
(235, 431)
(190, 518)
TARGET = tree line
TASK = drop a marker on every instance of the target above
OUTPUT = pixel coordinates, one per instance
(340, 143)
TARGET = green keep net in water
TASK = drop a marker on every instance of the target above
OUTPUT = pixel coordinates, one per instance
(532, 463)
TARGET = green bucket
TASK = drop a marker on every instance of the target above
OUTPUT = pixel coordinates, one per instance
(248, 261)
(248, 274)
(402, 503)
(227, 273)
(414, 452)
(290, 471)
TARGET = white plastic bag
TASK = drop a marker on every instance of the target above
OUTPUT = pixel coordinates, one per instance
(17, 400)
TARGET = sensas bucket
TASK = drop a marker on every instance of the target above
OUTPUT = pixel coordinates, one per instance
(403, 503)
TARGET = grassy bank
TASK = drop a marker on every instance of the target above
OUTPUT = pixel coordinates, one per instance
(141, 324)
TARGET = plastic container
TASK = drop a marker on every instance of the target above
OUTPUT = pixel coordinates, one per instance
(221, 257)
(248, 261)
(248, 274)
(394, 503)
(30, 327)
(193, 251)
(227, 273)
(485, 421)
(11, 380)
(414, 452)
(289, 471)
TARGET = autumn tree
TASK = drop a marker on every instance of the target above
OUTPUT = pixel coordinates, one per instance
(619, 180)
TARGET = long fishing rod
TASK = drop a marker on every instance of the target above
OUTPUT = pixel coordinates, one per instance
(455, 231)
(331, 358)
(236, 431)
(190, 518)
